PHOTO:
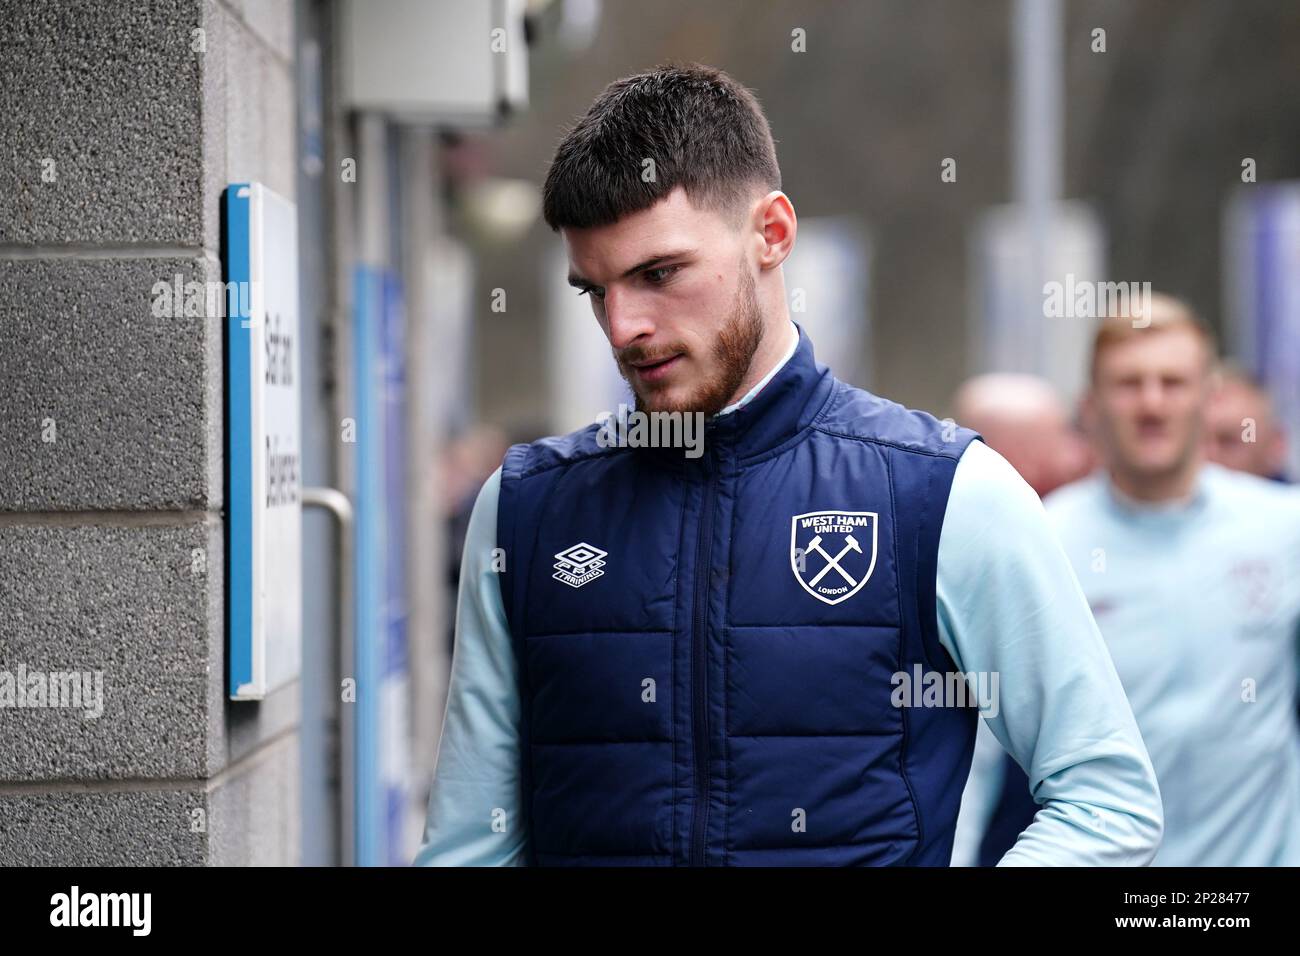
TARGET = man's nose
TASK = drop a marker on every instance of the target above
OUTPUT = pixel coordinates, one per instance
(1153, 394)
(627, 323)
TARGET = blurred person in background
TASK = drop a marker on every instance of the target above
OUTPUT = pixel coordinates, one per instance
(1241, 430)
(654, 667)
(1021, 417)
(1193, 574)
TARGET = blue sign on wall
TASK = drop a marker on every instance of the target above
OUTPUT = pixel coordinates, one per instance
(263, 442)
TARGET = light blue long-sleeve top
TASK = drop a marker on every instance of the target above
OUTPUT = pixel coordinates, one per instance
(1007, 602)
(1199, 603)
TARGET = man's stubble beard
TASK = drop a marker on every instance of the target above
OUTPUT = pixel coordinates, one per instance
(733, 353)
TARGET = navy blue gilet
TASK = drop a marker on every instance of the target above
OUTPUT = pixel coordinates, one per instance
(707, 646)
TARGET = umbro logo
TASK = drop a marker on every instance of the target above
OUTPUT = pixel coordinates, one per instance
(579, 564)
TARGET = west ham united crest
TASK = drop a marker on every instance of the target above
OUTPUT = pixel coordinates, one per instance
(833, 553)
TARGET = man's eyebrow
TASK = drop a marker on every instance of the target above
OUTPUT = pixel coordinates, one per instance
(579, 282)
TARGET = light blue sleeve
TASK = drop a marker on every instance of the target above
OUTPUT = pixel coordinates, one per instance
(475, 800)
(1010, 607)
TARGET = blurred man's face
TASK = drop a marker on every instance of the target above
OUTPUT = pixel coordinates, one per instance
(1148, 399)
(1240, 432)
(1041, 446)
(673, 291)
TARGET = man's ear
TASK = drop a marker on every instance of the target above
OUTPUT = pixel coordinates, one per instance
(777, 225)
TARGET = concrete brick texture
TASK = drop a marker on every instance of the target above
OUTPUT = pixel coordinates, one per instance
(107, 406)
(259, 96)
(111, 92)
(248, 817)
(253, 815)
(271, 21)
(142, 605)
(112, 424)
(248, 100)
(104, 828)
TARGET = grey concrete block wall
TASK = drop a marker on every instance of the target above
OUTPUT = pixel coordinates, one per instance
(106, 405)
(253, 813)
(111, 420)
(111, 93)
(247, 816)
(135, 605)
(88, 827)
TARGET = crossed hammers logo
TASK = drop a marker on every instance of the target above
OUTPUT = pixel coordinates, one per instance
(850, 544)
(860, 538)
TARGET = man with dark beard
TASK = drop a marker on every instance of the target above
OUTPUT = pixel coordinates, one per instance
(747, 657)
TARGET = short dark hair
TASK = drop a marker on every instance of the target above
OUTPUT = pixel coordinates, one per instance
(704, 131)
